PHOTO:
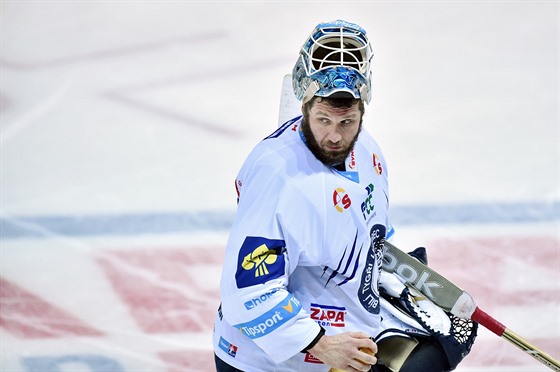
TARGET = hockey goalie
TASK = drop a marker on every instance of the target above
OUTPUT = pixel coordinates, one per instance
(302, 285)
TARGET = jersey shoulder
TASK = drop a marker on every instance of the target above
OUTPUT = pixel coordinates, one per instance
(278, 150)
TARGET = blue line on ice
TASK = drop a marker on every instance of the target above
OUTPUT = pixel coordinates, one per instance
(184, 222)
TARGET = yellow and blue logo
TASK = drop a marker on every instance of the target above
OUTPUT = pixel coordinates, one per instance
(259, 261)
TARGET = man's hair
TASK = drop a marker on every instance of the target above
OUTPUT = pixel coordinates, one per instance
(345, 102)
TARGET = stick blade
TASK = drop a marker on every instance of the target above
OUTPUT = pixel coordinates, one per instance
(290, 106)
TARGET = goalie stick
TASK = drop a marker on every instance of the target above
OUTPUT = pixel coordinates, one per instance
(290, 106)
(440, 290)
(453, 299)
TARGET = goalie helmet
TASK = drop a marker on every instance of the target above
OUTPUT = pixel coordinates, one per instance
(335, 58)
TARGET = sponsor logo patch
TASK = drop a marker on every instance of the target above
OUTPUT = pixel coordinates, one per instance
(328, 316)
(227, 347)
(368, 293)
(311, 359)
(272, 319)
(259, 261)
(251, 304)
(341, 200)
(377, 165)
(367, 206)
(351, 161)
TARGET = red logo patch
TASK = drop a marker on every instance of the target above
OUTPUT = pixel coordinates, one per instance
(311, 359)
(328, 316)
(341, 200)
(377, 165)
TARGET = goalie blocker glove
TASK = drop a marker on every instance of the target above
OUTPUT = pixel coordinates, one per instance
(455, 335)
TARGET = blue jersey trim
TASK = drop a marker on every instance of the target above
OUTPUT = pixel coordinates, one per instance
(283, 128)
(352, 176)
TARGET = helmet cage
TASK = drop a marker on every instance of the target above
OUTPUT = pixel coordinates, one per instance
(335, 58)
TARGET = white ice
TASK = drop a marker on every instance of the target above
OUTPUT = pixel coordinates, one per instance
(126, 114)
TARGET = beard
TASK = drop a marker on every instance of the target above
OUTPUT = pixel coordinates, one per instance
(329, 158)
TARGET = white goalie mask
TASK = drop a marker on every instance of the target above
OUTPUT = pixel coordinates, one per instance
(335, 58)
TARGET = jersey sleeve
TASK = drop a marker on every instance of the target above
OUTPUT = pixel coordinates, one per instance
(259, 258)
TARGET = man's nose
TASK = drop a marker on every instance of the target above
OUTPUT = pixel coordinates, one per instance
(334, 134)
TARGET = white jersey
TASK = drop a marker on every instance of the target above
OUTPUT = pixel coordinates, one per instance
(304, 252)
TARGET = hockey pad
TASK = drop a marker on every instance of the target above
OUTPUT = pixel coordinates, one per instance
(393, 352)
(431, 316)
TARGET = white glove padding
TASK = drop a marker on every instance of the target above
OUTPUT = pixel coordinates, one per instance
(431, 316)
(391, 283)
